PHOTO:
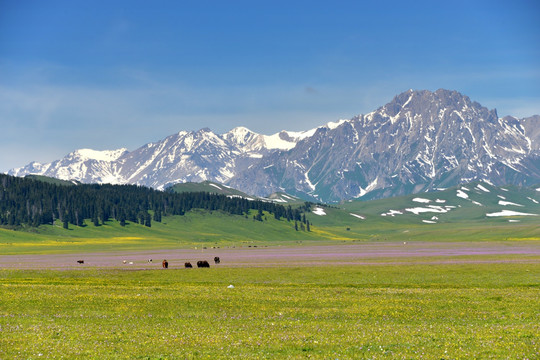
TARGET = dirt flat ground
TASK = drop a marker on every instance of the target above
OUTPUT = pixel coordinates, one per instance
(357, 253)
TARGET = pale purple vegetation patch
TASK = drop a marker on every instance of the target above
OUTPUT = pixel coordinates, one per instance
(357, 253)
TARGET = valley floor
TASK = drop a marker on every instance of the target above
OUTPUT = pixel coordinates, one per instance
(361, 301)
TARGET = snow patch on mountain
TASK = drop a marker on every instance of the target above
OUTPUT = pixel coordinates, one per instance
(479, 186)
(101, 155)
(333, 125)
(510, 213)
(431, 208)
(506, 203)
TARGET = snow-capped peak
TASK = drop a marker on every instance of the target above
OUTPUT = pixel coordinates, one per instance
(281, 140)
(332, 125)
(240, 135)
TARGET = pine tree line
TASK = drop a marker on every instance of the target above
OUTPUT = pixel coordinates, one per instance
(32, 202)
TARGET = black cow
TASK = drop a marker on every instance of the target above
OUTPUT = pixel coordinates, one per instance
(188, 265)
(80, 261)
(216, 260)
(203, 264)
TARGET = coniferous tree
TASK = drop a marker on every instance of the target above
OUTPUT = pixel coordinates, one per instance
(147, 220)
(95, 220)
(122, 219)
(157, 215)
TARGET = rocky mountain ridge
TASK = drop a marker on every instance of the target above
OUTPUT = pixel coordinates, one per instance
(418, 142)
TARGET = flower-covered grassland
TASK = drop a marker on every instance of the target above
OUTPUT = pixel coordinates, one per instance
(341, 312)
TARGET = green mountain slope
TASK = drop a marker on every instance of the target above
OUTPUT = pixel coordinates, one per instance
(477, 211)
(472, 202)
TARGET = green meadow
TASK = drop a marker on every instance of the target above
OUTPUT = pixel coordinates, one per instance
(461, 307)
(195, 229)
(199, 228)
(440, 311)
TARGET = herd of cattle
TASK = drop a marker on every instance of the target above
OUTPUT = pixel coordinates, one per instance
(165, 263)
(187, 265)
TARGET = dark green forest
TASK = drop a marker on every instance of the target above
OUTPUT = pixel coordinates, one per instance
(32, 202)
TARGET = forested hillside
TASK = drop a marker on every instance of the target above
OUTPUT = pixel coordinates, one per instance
(33, 202)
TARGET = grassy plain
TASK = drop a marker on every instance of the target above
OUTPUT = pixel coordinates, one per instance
(437, 311)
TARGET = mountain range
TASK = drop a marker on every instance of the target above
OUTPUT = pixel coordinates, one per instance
(420, 141)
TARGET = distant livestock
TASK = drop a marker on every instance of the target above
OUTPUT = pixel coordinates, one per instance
(149, 260)
(80, 261)
(216, 260)
(188, 265)
(165, 264)
(203, 264)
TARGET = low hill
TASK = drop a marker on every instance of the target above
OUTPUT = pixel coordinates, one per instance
(209, 187)
(52, 180)
(216, 188)
(284, 198)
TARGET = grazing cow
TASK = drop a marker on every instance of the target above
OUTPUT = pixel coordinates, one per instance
(216, 260)
(165, 264)
(149, 260)
(203, 264)
(188, 265)
(80, 261)
(124, 262)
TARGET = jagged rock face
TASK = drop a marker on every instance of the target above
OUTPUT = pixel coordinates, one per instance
(183, 157)
(419, 141)
(532, 129)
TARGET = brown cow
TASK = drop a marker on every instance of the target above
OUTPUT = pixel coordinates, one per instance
(165, 264)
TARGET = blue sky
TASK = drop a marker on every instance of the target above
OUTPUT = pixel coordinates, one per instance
(110, 74)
